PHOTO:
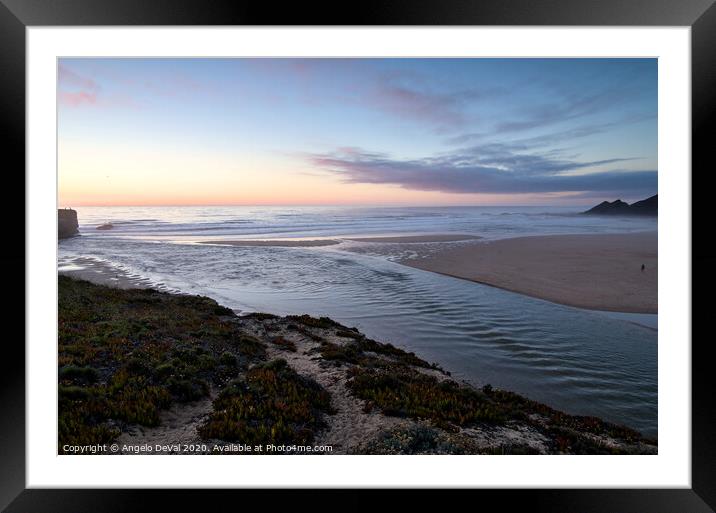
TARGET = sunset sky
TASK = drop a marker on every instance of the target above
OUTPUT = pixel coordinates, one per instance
(356, 131)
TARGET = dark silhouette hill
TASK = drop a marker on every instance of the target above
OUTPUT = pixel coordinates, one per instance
(646, 207)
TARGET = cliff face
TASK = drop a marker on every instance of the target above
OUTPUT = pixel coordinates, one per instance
(67, 224)
(647, 207)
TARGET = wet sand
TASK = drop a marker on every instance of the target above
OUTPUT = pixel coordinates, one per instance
(102, 273)
(275, 243)
(598, 272)
(416, 238)
(291, 243)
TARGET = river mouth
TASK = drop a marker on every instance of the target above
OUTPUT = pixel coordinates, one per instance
(582, 362)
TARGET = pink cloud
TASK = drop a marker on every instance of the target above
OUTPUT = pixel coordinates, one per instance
(69, 77)
(76, 90)
(77, 99)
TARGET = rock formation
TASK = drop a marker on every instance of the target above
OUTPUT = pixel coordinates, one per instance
(67, 224)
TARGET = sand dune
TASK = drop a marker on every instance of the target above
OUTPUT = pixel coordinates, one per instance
(600, 272)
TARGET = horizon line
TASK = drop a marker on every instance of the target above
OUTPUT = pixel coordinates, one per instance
(317, 205)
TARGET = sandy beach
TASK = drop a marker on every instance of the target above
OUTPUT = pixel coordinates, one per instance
(599, 272)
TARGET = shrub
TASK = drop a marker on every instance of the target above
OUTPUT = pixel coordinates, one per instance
(185, 390)
(405, 392)
(284, 344)
(354, 352)
(313, 322)
(72, 393)
(558, 422)
(261, 316)
(273, 404)
(82, 375)
(137, 366)
(228, 359)
(349, 334)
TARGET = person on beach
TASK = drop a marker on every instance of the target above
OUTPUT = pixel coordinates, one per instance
(643, 267)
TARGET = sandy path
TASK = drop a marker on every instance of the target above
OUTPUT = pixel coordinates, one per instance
(350, 426)
(600, 272)
(177, 425)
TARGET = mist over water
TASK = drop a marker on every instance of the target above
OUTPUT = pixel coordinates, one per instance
(578, 361)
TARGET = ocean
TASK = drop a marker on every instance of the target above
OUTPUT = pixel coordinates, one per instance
(579, 361)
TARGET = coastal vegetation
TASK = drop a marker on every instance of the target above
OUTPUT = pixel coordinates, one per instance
(270, 404)
(126, 356)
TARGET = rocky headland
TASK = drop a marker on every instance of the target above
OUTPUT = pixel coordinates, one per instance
(646, 207)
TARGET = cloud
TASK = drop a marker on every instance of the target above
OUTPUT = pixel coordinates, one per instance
(414, 96)
(403, 94)
(572, 105)
(68, 77)
(442, 109)
(420, 97)
(77, 99)
(76, 90)
(570, 134)
(491, 169)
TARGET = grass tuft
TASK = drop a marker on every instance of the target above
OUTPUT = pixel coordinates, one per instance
(284, 344)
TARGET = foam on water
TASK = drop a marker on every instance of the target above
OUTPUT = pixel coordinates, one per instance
(205, 223)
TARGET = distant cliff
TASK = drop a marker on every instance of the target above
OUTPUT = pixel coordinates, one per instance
(67, 224)
(647, 207)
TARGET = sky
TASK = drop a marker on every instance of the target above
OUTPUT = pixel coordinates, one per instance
(356, 131)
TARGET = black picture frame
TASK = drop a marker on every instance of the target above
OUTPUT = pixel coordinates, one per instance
(17, 15)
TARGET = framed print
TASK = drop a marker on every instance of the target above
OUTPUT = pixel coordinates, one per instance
(426, 248)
